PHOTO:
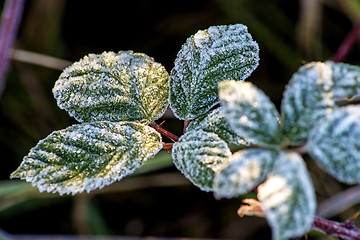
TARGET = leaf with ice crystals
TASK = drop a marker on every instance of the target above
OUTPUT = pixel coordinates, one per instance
(208, 57)
(215, 122)
(288, 197)
(123, 86)
(245, 170)
(312, 91)
(250, 113)
(198, 155)
(87, 156)
(334, 143)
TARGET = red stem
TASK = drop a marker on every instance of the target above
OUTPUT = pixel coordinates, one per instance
(9, 24)
(164, 132)
(347, 44)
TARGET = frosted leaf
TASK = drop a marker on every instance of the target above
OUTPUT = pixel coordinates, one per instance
(87, 156)
(335, 144)
(245, 170)
(216, 122)
(250, 113)
(288, 197)
(198, 155)
(123, 86)
(312, 91)
(208, 57)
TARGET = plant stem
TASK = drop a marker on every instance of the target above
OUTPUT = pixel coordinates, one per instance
(164, 132)
(346, 230)
(347, 44)
(8, 28)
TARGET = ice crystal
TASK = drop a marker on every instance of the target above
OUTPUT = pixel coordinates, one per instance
(250, 113)
(245, 170)
(87, 156)
(216, 122)
(312, 91)
(334, 143)
(123, 86)
(198, 155)
(211, 55)
(288, 197)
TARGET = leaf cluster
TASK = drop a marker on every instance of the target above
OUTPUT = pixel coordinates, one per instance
(116, 97)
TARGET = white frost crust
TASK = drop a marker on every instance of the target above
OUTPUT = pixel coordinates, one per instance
(245, 170)
(88, 156)
(250, 113)
(312, 92)
(208, 57)
(288, 197)
(198, 155)
(334, 144)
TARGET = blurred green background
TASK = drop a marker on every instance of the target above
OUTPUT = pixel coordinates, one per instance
(158, 200)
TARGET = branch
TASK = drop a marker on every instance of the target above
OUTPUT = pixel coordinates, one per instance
(8, 28)
(347, 44)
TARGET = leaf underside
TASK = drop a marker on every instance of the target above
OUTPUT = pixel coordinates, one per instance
(288, 197)
(335, 144)
(314, 90)
(87, 156)
(123, 86)
(208, 57)
(250, 113)
(198, 155)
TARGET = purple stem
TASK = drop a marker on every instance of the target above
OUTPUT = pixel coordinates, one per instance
(347, 44)
(345, 230)
(8, 28)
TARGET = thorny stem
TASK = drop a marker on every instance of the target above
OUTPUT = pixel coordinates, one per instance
(9, 24)
(347, 44)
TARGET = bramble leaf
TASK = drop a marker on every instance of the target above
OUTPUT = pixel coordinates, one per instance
(288, 197)
(245, 170)
(334, 142)
(198, 155)
(250, 113)
(208, 57)
(123, 86)
(312, 91)
(87, 156)
(215, 122)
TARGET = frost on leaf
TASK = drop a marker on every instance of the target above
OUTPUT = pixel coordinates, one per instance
(198, 155)
(334, 142)
(123, 86)
(87, 156)
(312, 91)
(250, 113)
(215, 122)
(288, 197)
(208, 57)
(245, 170)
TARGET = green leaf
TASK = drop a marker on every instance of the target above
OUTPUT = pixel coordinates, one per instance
(312, 91)
(215, 122)
(88, 156)
(245, 170)
(208, 57)
(334, 143)
(250, 113)
(123, 86)
(288, 197)
(198, 155)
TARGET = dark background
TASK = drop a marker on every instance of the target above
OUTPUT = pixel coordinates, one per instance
(289, 34)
